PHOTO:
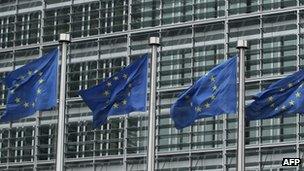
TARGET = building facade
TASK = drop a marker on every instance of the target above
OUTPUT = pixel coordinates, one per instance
(195, 36)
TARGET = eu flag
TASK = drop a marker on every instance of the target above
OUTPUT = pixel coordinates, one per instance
(284, 97)
(213, 94)
(122, 93)
(32, 87)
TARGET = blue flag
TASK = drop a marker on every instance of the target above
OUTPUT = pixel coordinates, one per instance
(211, 95)
(32, 87)
(122, 93)
(284, 97)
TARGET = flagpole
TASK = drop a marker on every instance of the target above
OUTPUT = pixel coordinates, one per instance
(241, 45)
(154, 43)
(64, 39)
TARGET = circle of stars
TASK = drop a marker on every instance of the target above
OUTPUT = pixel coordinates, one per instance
(107, 92)
(20, 79)
(288, 104)
(211, 99)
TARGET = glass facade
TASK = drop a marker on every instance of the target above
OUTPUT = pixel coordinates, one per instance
(195, 36)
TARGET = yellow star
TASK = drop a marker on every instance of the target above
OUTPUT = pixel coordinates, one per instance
(290, 85)
(212, 78)
(41, 81)
(29, 72)
(22, 77)
(292, 103)
(39, 91)
(214, 88)
(272, 105)
(270, 99)
(298, 94)
(282, 89)
(207, 105)
(26, 104)
(115, 105)
(124, 102)
(106, 93)
(109, 84)
(17, 100)
(198, 109)
(283, 107)
(125, 76)
(115, 78)
(212, 97)
(40, 73)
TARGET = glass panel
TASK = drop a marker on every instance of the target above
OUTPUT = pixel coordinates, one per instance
(145, 13)
(243, 6)
(205, 9)
(175, 11)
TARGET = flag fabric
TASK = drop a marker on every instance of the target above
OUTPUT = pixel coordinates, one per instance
(284, 97)
(211, 95)
(122, 93)
(32, 87)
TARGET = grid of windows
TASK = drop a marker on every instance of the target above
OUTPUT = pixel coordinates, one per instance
(195, 36)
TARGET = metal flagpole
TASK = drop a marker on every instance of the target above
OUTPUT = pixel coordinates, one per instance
(241, 45)
(154, 43)
(64, 39)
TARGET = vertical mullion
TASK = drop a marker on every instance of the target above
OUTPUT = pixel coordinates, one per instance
(88, 13)
(113, 7)
(129, 15)
(83, 13)
(81, 72)
(37, 124)
(225, 116)
(87, 72)
(120, 136)
(106, 16)
(2, 32)
(125, 136)
(99, 20)
(123, 15)
(55, 24)
(16, 140)
(107, 138)
(49, 143)
(83, 140)
(298, 119)
(260, 68)
(21, 139)
(27, 31)
(78, 139)
(192, 76)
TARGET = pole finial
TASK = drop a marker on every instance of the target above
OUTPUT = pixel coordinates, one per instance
(154, 41)
(242, 44)
(64, 37)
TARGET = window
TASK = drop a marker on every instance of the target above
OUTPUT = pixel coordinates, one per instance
(205, 9)
(145, 13)
(56, 21)
(7, 31)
